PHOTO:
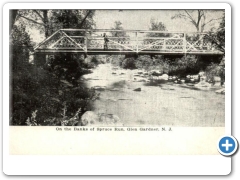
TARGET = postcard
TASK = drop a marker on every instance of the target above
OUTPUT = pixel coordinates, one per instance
(92, 86)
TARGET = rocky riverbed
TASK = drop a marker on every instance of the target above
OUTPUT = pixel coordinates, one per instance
(140, 98)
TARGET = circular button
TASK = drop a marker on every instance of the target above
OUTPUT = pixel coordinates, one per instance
(227, 145)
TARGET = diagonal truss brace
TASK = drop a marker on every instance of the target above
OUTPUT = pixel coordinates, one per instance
(121, 45)
(153, 44)
(191, 46)
(46, 40)
(85, 49)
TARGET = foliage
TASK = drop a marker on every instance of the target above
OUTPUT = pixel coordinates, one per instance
(35, 88)
(116, 60)
(118, 26)
(184, 66)
(215, 70)
(79, 19)
(173, 66)
(44, 91)
(218, 37)
(64, 120)
(129, 63)
(157, 26)
(32, 120)
(49, 21)
(154, 63)
(20, 46)
(32, 88)
(19, 36)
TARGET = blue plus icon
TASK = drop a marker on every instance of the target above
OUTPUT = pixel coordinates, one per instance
(227, 145)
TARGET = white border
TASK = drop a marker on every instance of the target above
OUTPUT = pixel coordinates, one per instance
(134, 165)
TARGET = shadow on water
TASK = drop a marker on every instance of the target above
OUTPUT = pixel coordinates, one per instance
(156, 83)
(190, 86)
(119, 84)
(162, 83)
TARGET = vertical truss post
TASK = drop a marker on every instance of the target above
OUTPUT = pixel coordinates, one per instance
(201, 41)
(164, 44)
(184, 44)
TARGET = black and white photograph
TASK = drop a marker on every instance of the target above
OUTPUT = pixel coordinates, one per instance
(117, 88)
(117, 68)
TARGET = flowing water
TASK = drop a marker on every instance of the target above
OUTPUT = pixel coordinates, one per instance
(159, 103)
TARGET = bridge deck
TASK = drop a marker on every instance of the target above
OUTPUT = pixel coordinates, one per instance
(96, 42)
(110, 52)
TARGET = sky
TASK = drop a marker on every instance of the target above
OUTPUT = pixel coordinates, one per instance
(140, 20)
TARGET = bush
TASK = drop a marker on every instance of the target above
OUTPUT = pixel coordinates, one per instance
(215, 70)
(174, 65)
(116, 60)
(92, 61)
(129, 63)
(184, 66)
(38, 95)
(32, 89)
(46, 91)
(155, 63)
(37, 89)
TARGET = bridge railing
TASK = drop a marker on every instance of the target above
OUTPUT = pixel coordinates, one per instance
(96, 40)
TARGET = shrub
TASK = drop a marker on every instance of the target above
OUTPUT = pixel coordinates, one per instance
(129, 63)
(215, 70)
(33, 88)
(37, 89)
(116, 60)
(37, 92)
(184, 66)
(156, 63)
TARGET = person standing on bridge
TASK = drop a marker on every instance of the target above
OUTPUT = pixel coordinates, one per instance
(105, 41)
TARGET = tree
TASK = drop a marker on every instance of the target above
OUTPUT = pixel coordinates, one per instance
(37, 18)
(118, 26)
(34, 89)
(12, 19)
(49, 21)
(20, 46)
(218, 37)
(156, 26)
(195, 17)
(79, 19)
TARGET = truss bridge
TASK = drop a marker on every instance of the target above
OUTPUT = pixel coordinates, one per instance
(140, 42)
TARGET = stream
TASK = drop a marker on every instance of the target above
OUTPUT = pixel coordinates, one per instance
(158, 103)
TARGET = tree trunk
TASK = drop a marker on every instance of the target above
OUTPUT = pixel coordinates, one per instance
(12, 18)
(85, 18)
(46, 22)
